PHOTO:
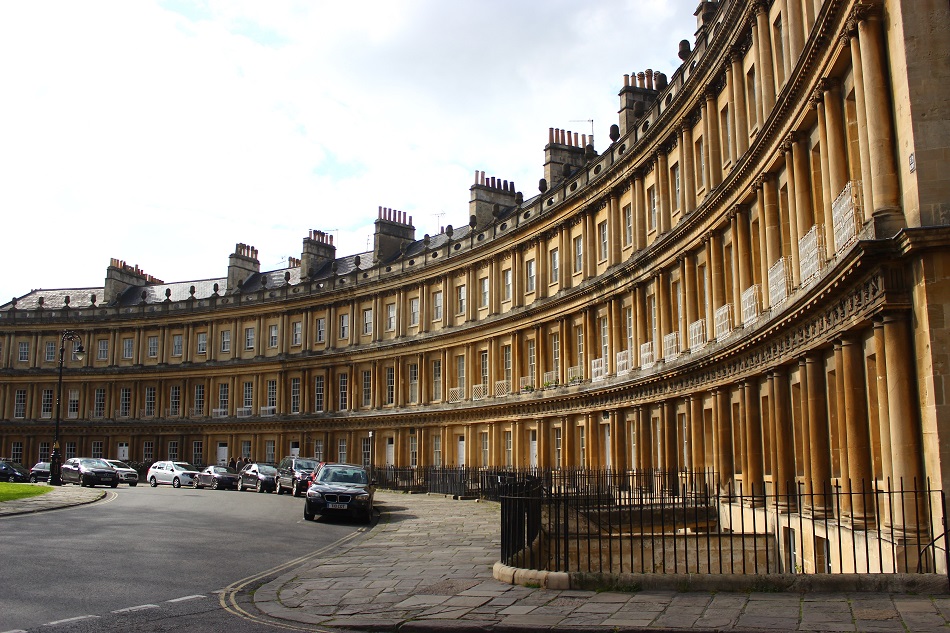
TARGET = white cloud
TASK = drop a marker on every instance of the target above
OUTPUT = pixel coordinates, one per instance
(163, 133)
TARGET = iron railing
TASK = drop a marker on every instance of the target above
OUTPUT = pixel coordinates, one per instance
(690, 522)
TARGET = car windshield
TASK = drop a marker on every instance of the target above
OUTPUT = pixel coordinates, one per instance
(184, 466)
(118, 464)
(267, 470)
(224, 470)
(305, 464)
(41, 465)
(343, 476)
(95, 463)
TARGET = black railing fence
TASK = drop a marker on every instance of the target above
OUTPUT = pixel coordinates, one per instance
(690, 522)
(653, 521)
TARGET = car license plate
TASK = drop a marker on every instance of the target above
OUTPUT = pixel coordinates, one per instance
(336, 506)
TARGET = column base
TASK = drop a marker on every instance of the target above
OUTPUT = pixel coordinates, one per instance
(887, 222)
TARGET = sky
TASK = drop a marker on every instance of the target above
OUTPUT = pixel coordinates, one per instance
(162, 133)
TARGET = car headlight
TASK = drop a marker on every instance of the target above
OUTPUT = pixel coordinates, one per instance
(363, 496)
(313, 494)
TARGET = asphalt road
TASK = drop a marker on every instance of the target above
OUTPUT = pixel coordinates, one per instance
(152, 557)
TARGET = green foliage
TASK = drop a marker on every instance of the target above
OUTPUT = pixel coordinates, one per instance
(11, 492)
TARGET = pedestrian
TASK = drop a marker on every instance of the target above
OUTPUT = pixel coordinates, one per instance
(231, 463)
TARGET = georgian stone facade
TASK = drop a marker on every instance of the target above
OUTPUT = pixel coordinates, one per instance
(751, 277)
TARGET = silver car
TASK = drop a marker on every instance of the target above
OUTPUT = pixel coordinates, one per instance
(127, 474)
(177, 474)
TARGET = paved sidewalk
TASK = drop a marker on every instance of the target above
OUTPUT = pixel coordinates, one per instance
(427, 566)
(59, 497)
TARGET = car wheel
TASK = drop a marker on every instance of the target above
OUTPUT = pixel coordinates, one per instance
(307, 515)
(152, 482)
(114, 484)
(82, 481)
(214, 484)
(260, 486)
(295, 489)
(277, 488)
(176, 483)
(133, 484)
(241, 484)
(32, 479)
(195, 484)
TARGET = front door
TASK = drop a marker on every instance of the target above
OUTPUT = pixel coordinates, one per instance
(607, 453)
(222, 454)
(533, 449)
(295, 449)
(122, 451)
(390, 451)
(461, 451)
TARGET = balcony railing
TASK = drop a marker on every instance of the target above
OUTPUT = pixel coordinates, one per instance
(671, 346)
(597, 370)
(456, 394)
(196, 412)
(219, 413)
(847, 212)
(479, 391)
(413, 393)
(550, 379)
(502, 388)
(267, 412)
(243, 412)
(575, 374)
(623, 362)
(697, 335)
(724, 322)
(780, 282)
(811, 253)
(750, 305)
(526, 383)
(46, 415)
(173, 412)
(646, 355)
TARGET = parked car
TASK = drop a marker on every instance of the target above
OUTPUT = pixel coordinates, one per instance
(39, 472)
(89, 471)
(217, 478)
(12, 471)
(344, 489)
(127, 474)
(177, 474)
(260, 476)
(293, 473)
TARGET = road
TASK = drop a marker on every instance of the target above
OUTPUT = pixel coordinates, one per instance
(151, 555)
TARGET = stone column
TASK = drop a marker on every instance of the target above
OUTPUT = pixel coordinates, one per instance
(687, 169)
(850, 39)
(771, 225)
(744, 254)
(787, 149)
(783, 445)
(905, 429)
(796, 36)
(741, 131)
(880, 383)
(613, 229)
(856, 422)
(670, 455)
(724, 441)
(639, 213)
(661, 290)
(765, 73)
(663, 191)
(754, 474)
(713, 151)
(818, 435)
(823, 205)
(688, 276)
(803, 208)
(696, 432)
(885, 189)
(730, 89)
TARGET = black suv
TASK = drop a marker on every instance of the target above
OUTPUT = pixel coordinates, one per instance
(293, 474)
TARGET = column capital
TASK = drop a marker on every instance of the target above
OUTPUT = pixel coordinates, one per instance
(790, 140)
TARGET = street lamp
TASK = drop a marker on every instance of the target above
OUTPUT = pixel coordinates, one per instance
(55, 460)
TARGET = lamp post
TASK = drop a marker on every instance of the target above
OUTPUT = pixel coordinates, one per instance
(55, 460)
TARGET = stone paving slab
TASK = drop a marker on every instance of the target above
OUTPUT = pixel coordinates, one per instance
(427, 566)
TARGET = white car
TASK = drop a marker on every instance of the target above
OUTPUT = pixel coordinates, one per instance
(127, 474)
(177, 474)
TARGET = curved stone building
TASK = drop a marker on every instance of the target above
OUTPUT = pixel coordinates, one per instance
(752, 277)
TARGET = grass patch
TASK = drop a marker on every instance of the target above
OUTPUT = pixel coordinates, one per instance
(11, 492)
